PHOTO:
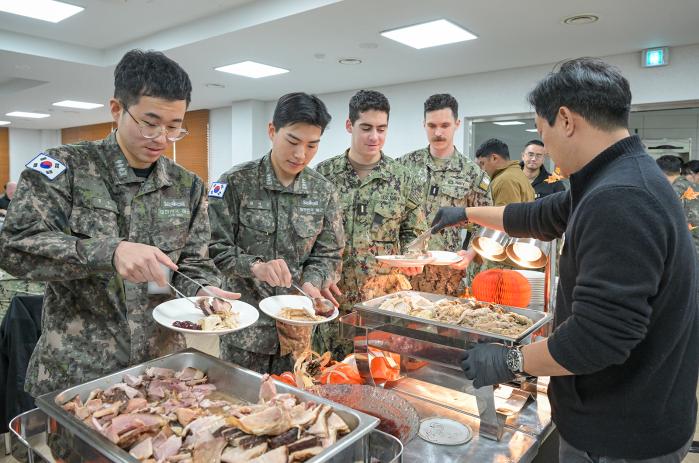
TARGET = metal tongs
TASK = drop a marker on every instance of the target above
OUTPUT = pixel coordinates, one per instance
(419, 245)
(317, 301)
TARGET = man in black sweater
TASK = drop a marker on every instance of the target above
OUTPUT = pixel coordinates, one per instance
(624, 353)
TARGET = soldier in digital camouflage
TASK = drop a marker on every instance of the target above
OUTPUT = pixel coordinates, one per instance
(274, 221)
(448, 178)
(687, 192)
(381, 213)
(96, 220)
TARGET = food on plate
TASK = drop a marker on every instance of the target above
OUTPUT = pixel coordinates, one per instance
(323, 307)
(291, 313)
(219, 313)
(482, 316)
(163, 415)
(187, 325)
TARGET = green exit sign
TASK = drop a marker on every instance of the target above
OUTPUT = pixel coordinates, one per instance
(653, 57)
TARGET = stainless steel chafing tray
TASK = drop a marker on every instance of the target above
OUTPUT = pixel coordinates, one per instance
(228, 378)
(448, 330)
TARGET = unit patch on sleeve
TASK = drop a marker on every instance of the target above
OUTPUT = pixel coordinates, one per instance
(46, 165)
(217, 189)
(484, 183)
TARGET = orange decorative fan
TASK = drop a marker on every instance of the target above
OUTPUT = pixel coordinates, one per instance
(505, 287)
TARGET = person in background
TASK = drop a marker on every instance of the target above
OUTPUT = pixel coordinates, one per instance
(381, 214)
(98, 220)
(5, 199)
(508, 182)
(274, 221)
(448, 178)
(690, 170)
(685, 190)
(624, 353)
(532, 164)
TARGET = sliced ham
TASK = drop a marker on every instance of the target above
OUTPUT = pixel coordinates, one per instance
(143, 449)
(320, 427)
(186, 415)
(305, 454)
(136, 404)
(239, 455)
(278, 455)
(302, 415)
(109, 409)
(168, 448)
(267, 389)
(272, 421)
(209, 451)
(189, 374)
(156, 372)
(133, 381)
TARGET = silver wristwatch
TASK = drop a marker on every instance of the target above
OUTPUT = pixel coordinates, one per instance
(515, 360)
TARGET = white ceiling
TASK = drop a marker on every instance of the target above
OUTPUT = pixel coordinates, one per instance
(76, 57)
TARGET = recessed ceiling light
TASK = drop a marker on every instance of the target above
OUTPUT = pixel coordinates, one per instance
(429, 34)
(252, 69)
(27, 115)
(350, 61)
(45, 10)
(509, 123)
(212, 85)
(531, 130)
(4, 122)
(77, 104)
(581, 19)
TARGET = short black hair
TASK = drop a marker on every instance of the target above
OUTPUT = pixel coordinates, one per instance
(690, 167)
(150, 73)
(367, 100)
(300, 107)
(493, 146)
(442, 101)
(669, 164)
(589, 87)
(534, 142)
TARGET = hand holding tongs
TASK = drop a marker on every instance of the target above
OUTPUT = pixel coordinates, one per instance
(420, 243)
(198, 284)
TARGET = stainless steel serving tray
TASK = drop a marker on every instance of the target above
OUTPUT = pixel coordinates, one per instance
(228, 378)
(538, 318)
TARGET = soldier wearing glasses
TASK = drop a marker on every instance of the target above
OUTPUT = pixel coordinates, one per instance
(98, 220)
(533, 167)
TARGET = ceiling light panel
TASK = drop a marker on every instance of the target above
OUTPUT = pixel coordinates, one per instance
(77, 104)
(45, 10)
(27, 115)
(509, 123)
(4, 122)
(252, 69)
(429, 34)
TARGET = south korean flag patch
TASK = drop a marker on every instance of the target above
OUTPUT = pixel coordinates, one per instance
(46, 165)
(217, 189)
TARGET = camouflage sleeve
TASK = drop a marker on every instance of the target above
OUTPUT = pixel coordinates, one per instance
(223, 216)
(36, 241)
(325, 260)
(414, 222)
(478, 196)
(194, 259)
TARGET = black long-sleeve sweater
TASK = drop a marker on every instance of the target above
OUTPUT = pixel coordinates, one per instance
(626, 320)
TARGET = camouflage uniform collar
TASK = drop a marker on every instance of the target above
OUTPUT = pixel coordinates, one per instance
(269, 180)
(380, 171)
(454, 163)
(123, 173)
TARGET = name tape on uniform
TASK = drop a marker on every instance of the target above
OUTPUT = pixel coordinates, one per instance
(217, 189)
(47, 165)
(484, 183)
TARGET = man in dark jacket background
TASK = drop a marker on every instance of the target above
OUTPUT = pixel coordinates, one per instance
(532, 165)
(624, 354)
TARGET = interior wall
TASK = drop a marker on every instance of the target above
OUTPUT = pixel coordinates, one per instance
(25, 144)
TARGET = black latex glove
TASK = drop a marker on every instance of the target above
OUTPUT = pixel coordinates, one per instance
(447, 217)
(486, 365)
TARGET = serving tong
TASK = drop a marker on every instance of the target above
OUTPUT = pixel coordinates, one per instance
(317, 301)
(419, 245)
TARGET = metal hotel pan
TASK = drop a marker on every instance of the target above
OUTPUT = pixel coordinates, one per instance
(538, 318)
(228, 378)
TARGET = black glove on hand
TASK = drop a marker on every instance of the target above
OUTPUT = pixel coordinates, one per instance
(447, 217)
(486, 364)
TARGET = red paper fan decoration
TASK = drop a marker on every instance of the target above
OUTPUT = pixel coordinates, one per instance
(505, 287)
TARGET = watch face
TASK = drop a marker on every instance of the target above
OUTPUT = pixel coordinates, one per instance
(513, 360)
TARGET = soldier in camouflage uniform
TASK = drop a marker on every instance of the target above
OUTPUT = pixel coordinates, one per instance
(275, 220)
(97, 219)
(687, 192)
(448, 179)
(380, 203)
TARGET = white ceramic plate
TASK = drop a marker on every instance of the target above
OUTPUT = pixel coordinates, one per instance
(444, 431)
(403, 261)
(444, 257)
(274, 304)
(182, 310)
